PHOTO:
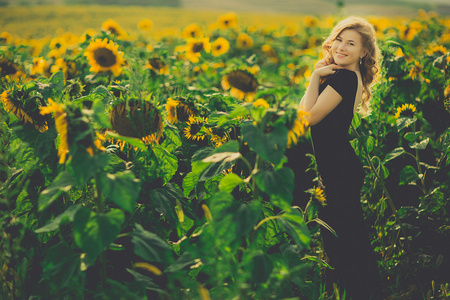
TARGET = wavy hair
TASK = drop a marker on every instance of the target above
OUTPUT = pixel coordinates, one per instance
(369, 65)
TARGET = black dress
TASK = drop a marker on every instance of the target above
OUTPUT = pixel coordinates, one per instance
(350, 254)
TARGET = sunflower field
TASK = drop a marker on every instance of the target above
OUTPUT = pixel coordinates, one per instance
(176, 165)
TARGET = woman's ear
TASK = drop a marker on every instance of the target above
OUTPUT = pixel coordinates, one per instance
(364, 53)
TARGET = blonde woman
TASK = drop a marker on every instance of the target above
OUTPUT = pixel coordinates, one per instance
(339, 86)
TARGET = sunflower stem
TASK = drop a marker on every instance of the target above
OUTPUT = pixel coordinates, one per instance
(417, 158)
(100, 209)
(98, 195)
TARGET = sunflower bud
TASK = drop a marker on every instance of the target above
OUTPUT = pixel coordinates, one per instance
(74, 88)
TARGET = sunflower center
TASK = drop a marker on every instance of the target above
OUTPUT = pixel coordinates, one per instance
(242, 81)
(105, 57)
(407, 113)
(218, 47)
(156, 63)
(195, 128)
(7, 68)
(113, 30)
(197, 47)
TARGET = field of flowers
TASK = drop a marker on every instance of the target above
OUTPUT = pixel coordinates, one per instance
(176, 165)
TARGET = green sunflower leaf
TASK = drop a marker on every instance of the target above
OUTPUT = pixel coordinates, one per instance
(278, 184)
(189, 183)
(221, 159)
(270, 146)
(62, 265)
(420, 145)
(409, 176)
(411, 136)
(94, 232)
(229, 182)
(165, 199)
(62, 183)
(122, 188)
(247, 216)
(404, 122)
(172, 139)
(99, 114)
(222, 156)
(167, 162)
(393, 154)
(296, 227)
(66, 217)
(149, 246)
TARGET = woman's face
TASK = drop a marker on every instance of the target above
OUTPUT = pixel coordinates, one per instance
(347, 49)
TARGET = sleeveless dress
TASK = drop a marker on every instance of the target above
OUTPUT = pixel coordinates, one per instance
(350, 253)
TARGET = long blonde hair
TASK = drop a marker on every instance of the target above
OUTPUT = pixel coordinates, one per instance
(369, 66)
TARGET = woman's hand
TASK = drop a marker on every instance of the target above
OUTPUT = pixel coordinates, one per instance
(327, 70)
(321, 63)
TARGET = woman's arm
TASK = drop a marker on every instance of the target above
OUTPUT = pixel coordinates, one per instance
(319, 106)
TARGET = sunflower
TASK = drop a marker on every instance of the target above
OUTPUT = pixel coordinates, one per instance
(290, 31)
(228, 20)
(270, 53)
(40, 66)
(68, 67)
(171, 108)
(139, 119)
(157, 65)
(319, 195)
(111, 27)
(9, 68)
(220, 46)
(58, 43)
(26, 111)
(192, 31)
(300, 74)
(145, 25)
(298, 128)
(195, 128)
(310, 21)
(406, 110)
(195, 47)
(243, 84)
(104, 56)
(218, 140)
(179, 110)
(87, 35)
(261, 102)
(447, 92)
(408, 32)
(416, 70)
(185, 110)
(244, 41)
(434, 49)
(447, 98)
(61, 123)
(5, 37)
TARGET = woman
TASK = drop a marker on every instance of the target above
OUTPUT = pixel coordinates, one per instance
(338, 86)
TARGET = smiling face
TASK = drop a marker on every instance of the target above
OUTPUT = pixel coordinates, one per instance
(347, 49)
